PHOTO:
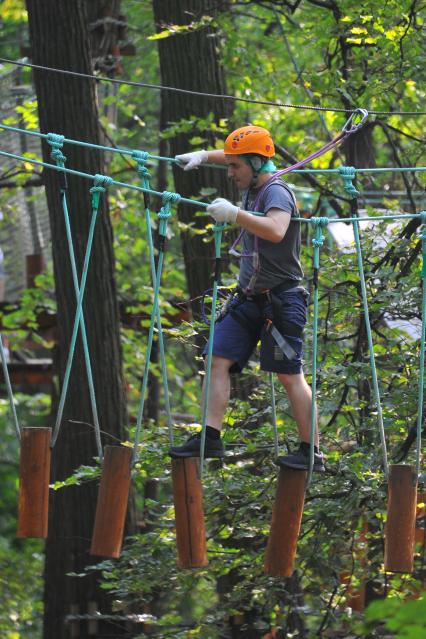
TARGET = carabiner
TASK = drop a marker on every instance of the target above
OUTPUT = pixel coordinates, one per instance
(351, 126)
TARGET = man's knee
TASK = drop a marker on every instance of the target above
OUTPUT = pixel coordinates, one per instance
(221, 365)
(290, 381)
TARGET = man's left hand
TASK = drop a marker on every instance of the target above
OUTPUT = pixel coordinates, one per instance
(223, 211)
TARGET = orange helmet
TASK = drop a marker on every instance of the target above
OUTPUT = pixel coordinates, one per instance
(250, 139)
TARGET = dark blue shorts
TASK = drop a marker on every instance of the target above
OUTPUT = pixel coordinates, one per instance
(238, 333)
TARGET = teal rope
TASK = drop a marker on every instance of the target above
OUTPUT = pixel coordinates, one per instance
(124, 151)
(217, 230)
(348, 175)
(422, 352)
(274, 414)
(317, 241)
(125, 185)
(56, 143)
(143, 173)
(163, 216)
(199, 203)
(9, 389)
(95, 191)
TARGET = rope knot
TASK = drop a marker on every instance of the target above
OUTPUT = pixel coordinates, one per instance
(348, 174)
(319, 221)
(58, 156)
(100, 182)
(218, 227)
(55, 140)
(318, 241)
(164, 213)
(143, 172)
(171, 198)
(141, 157)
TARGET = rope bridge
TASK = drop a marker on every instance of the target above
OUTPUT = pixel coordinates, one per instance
(98, 184)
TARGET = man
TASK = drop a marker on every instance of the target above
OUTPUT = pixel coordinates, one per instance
(271, 302)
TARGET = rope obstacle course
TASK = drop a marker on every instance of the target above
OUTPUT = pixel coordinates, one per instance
(117, 462)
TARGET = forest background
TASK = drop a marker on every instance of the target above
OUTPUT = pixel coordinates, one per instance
(314, 52)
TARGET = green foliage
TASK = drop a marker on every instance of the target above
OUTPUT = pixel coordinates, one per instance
(21, 608)
(324, 54)
(405, 619)
(12, 14)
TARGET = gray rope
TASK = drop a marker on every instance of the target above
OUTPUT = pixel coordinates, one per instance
(158, 87)
(101, 617)
(9, 388)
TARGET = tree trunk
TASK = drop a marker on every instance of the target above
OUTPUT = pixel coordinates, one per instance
(189, 60)
(60, 38)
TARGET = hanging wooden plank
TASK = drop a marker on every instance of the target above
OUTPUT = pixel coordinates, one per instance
(112, 501)
(34, 472)
(189, 513)
(286, 520)
(401, 519)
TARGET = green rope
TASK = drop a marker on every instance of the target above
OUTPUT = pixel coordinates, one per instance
(9, 388)
(217, 230)
(163, 216)
(317, 242)
(422, 352)
(144, 174)
(348, 175)
(56, 142)
(96, 190)
(198, 203)
(274, 414)
(88, 176)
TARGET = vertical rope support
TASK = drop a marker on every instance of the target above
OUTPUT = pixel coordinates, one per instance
(56, 142)
(217, 230)
(274, 414)
(95, 191)
(9, 389)
(317, 241)
(163, 216)
(422, 351)
(141, 157)
(348, 175)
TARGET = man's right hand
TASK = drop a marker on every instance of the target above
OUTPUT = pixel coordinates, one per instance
(192, 160)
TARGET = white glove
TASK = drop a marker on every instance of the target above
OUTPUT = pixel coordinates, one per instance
(223, 211)
(192, 160)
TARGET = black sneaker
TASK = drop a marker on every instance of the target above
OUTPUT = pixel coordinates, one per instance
(191, 448)
(300, 461)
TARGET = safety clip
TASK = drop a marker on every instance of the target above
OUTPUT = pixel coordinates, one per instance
(352, 124)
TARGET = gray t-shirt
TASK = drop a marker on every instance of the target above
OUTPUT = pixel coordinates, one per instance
(279, 262)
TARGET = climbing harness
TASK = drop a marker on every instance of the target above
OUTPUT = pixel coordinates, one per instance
(255, 255)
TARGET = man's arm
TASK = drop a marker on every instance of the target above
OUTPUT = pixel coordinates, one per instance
(216, 157)
(272, 227)
(193, 159)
